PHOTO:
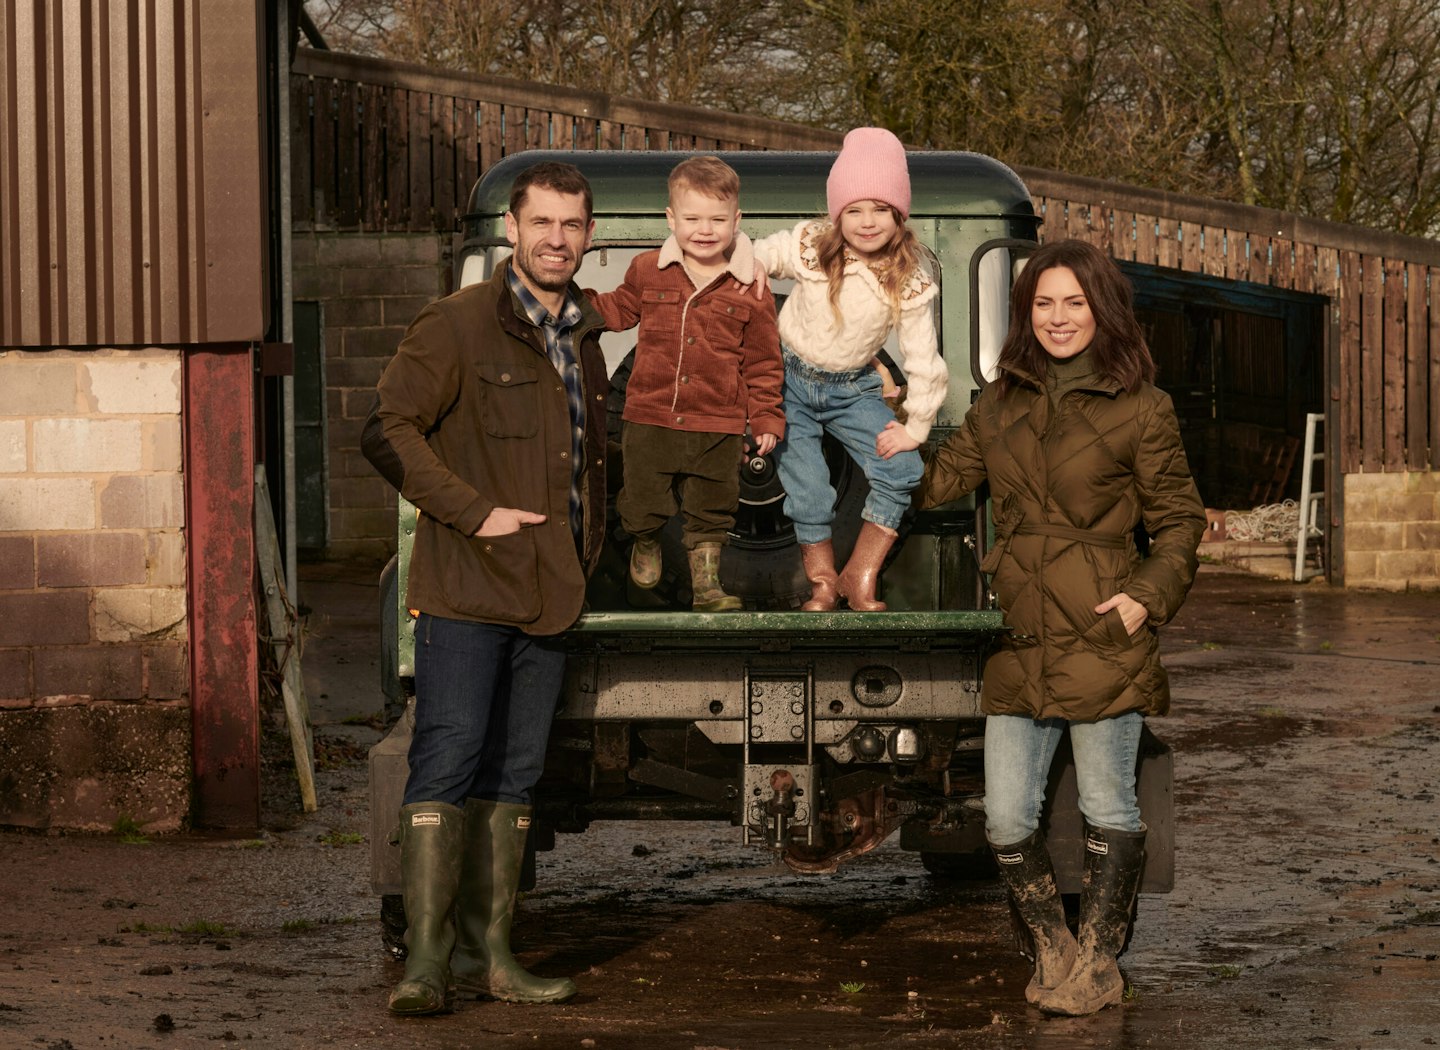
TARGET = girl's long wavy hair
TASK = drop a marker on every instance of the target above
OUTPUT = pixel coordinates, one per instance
(901, 258)
(1118, 350)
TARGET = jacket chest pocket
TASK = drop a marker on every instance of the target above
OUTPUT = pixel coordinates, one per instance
(660, 310)
(729, 323)
(509, 393)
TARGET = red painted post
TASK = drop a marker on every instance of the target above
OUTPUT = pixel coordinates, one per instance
(219, 419)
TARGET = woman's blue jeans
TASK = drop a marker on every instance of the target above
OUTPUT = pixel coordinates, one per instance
(1018, 753)
(485, 696)
(848, 405)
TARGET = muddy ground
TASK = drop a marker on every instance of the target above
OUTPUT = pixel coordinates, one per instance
(1306, 911)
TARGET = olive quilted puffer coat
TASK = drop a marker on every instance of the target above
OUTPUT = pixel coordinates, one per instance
(1068, 485)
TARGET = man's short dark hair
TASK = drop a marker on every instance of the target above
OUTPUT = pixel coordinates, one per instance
(555, 176)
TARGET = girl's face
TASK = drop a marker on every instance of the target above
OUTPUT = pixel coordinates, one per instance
(1060, 314)
(868, 227)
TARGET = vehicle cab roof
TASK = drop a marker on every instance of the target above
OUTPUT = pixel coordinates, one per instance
(633, 182)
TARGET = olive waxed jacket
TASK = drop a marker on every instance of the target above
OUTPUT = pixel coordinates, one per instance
(471, 415)
(1068, 485)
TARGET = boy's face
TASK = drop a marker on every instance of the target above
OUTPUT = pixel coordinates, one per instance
(704, 226)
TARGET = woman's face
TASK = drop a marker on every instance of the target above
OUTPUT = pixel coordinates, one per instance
(1060, 314)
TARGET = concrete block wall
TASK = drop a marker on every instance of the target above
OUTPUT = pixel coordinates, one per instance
(1392, 530)
(94, 714)
(370, 287)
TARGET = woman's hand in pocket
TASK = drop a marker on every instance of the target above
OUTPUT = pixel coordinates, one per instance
(1132, 613)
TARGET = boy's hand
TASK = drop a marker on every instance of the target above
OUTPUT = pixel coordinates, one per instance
(893, 440)
(765, 444)
(502, 521)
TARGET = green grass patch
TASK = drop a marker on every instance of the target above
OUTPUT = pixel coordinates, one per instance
(852, 987)
(1225, 973)
(342, 838)
(206, 928)
(128, 831)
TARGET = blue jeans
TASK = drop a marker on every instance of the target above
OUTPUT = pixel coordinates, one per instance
(1018, 752)
(485, 695)
(849, 406)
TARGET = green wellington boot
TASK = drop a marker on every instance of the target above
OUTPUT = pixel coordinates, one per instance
(482, 965)
(1029, 876)
(709, 596)
(430, 841)
(1114, 861)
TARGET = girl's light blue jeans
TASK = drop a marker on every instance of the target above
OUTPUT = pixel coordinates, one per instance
(849, 406)
(1018, 753)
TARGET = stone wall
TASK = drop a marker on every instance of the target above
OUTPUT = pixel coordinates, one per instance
(370, 287)
(94, 714)
(1392, 530)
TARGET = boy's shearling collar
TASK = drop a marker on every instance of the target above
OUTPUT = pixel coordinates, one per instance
(742, 257)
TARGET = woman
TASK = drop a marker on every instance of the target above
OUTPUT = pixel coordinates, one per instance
(1078, 447)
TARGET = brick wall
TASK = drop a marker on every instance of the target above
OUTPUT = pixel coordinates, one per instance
(93, 676)
(370, 287)
(1392, 530)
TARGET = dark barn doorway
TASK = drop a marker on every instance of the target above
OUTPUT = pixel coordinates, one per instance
(1244, 363)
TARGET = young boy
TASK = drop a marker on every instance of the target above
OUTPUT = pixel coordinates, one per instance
(707, 362)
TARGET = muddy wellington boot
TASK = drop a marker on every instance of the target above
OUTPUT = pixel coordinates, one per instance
(482, 964)
(709, 596)
(430, 837)
(819, 562)
(861, 574)
(1113, 863)
(646, 562)
(1029, 876)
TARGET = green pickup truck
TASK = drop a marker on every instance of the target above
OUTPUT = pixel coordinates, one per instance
(817, 735)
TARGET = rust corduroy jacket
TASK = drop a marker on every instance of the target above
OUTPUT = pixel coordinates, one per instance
(470, 416)
(1068, 487)
(708, 359)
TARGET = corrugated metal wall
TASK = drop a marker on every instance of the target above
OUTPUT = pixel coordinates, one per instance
(131, 172)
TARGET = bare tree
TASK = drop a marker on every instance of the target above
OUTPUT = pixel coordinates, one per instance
(1325, 107)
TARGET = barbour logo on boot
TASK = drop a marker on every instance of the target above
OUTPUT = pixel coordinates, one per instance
(421, 820)
(1095, 845)
(1010, 858)
(523, 823)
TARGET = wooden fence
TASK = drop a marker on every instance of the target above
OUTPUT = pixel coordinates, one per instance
(377, 145)
(1384, 292)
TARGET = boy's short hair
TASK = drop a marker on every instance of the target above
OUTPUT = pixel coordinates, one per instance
(708, 175)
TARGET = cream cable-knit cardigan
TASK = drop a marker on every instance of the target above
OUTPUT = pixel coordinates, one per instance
(808, 327)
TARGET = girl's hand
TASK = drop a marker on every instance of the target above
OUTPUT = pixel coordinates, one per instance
(1132, 613)
(893, 440)
(761, 282)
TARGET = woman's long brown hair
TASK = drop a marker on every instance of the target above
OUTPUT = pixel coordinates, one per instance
(1118, 350)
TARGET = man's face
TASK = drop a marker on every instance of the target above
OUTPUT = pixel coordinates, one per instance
(550, 235)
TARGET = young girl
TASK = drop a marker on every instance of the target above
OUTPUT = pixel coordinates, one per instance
(1079, 447)
(857, 276)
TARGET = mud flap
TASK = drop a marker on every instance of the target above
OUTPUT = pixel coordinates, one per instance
(1065, 827)
(389, 766)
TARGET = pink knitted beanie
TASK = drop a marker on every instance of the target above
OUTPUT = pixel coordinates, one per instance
(871, 166)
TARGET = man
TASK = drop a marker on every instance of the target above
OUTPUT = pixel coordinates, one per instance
(491, 420)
